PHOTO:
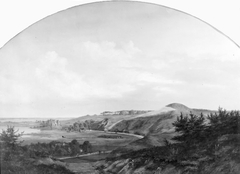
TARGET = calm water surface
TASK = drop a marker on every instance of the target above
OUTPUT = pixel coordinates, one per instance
(26, 130)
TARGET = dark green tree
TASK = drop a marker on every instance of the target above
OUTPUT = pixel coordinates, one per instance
(74, 145)
(10, 143)
(224, 122)
(191, 129)
(87, 147)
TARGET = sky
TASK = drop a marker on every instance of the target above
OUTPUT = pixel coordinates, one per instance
(115, 56)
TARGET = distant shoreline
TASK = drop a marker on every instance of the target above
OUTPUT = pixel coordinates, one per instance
(36, 118)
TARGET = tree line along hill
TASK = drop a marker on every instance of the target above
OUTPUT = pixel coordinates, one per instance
(202, 145)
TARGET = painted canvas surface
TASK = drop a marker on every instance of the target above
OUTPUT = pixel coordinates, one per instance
(120, 87)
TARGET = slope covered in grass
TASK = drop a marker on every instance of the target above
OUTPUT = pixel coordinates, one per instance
(201, 148)
(156, 125)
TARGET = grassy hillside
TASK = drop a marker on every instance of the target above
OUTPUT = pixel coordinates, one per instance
(225, 160)
(156, 125)
(201, 148)
(111, 119)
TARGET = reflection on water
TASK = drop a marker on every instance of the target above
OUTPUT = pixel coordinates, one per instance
(23, 124)
(30, 119)
(26, 130)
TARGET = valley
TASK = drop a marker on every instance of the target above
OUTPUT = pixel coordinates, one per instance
(116, 142)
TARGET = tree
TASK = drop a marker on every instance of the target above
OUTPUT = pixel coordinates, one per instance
(191, 129)
(74, 145)
(10, 142)
(87, 147)
(224, 122)
(198, 137)
(10, 137)
(74, 142)
(76, 126)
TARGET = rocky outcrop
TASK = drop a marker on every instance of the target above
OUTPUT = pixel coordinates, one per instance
(128, 166)
(125, 112)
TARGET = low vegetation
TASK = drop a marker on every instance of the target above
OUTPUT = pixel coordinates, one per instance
(58, 149)
(204, 145)
(48, 124)
(201, 145)
(36, 158)
(110, 136)
(87, 125)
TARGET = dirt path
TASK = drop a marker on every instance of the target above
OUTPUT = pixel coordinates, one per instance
(95, 153)
(121, 133)
(138, 136)
(78, 156)
(110, 127)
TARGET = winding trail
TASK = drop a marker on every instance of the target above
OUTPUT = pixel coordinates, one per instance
(111, 126)
(78, 156)
(95, 153)
(120, 133)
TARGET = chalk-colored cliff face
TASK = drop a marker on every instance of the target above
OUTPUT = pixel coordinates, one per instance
(125, 112)
(155, 126)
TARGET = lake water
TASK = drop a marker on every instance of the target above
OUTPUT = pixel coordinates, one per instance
(29, 119)
(25, 130)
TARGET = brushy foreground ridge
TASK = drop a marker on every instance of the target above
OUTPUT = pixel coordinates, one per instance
(29, 159)
(202, 145)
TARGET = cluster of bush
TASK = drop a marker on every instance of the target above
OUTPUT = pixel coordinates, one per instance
(121, 131)
(110, 136)
(48, 124)
(201, 145)
(16, 158)
(87, 125)
(57, 149)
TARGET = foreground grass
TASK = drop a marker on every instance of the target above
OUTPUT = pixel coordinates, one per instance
(212, 148)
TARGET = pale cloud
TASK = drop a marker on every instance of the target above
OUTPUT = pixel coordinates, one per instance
(108, 53)
(49, 77)
(107, 70)
(148, 78)
(214, 86)
(160, 90)
(125, 64)
(159, 63)
(14, 82)
(142, 58)
(13, 91)
(53, 74)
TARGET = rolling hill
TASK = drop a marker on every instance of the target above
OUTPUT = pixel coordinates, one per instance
(112, 119)
(155, 126)
(159, 121)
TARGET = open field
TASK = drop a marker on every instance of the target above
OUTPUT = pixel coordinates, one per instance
(89, 158)
(86, 164)
(96, 138)
(91, 136)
